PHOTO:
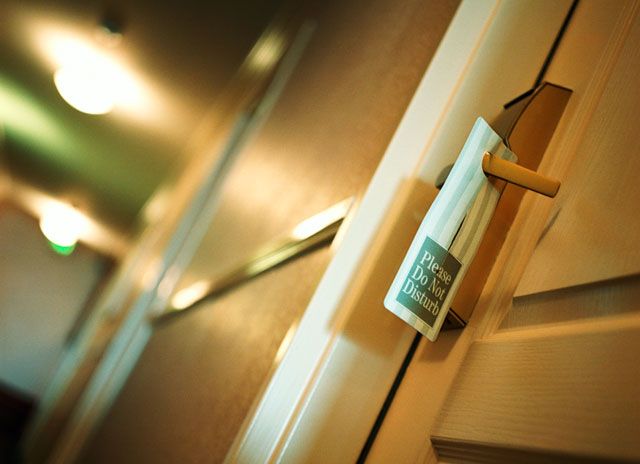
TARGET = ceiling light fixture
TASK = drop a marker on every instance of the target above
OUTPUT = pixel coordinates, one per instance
(88, 78)
(87, 87)
(62, 225)
(91, 81)
(94, 74)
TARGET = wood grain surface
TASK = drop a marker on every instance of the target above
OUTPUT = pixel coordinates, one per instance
(594, 228)
(561, 395)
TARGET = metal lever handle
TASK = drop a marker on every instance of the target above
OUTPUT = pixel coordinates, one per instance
(515, 174)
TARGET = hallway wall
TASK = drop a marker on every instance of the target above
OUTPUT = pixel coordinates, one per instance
(41, 296)
(200, 374)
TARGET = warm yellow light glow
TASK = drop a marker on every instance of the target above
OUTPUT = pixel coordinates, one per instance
(137, 96)
(87, 89)
(89, 77)
(189, 295)
(91, 81)
(321, 220)
(97, 235)
(62, 224)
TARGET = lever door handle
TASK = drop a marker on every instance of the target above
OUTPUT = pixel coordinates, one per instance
(453, 251)
(518, 175)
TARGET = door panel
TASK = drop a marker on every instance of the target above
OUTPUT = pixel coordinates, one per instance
(558, 380)
(590, 235)
(600, 299)
(546, 370)
(553, 395)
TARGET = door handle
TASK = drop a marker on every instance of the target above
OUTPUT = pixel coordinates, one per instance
(449, 260)
(517, 175)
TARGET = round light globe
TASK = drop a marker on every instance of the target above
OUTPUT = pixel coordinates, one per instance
(62, 224)
(88, 89)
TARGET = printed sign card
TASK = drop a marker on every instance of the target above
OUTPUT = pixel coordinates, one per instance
(428, 282)
(448, 237)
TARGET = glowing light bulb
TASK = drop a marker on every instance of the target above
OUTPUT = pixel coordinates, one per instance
(62, 225)
(88, 88)
(90, 79)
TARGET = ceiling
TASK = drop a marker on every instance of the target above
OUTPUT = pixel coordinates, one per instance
(181, 56)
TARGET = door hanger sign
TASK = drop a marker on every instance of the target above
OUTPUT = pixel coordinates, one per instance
(448, 237)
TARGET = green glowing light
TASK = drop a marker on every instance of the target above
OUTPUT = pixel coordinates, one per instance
(62, 250)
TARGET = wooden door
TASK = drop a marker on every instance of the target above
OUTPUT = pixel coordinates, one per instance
(548, 368)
